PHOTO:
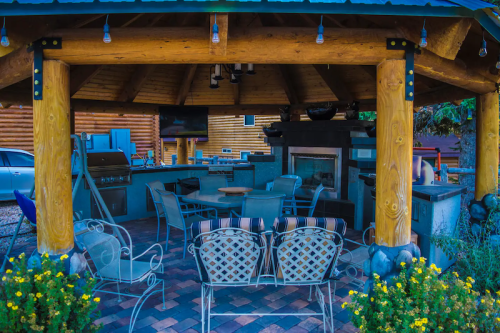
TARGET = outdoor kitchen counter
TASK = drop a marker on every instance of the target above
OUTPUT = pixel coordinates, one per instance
(186, 167)
(433, 193)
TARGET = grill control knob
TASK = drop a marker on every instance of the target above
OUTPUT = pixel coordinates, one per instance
(112, 179)
(108, 180)
(121, 178)
(103, 180)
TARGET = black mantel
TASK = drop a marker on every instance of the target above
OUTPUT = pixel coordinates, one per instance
(325, 133)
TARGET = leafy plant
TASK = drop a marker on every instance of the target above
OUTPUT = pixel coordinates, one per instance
(476, 255)
(419, 301)
(46, 300)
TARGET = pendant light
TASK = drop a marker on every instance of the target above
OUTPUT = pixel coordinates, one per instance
(215, 31)
(320, 39)
(107, 36)
(5, 39)
(482, 51)
(423, 37)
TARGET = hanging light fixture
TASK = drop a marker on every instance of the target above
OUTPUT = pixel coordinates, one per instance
(234, 79)
(215, 31)
(5, 39)
(237, 70)
(423, 37)
(482, 51)
(250, 70)
(320, 39)
(214, 84)
(107, 36)
(218, 73)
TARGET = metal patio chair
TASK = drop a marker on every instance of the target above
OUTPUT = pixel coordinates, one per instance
(153, 186)
(212, 183)
(305, 204)
(115, 265)
(286, 185)
(179, 218)
(266, 207)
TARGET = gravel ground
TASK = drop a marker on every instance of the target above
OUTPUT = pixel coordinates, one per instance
(9, 216)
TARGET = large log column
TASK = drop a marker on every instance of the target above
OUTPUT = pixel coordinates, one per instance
(182, 151)
(394, 175)
(486, 145)
(51, 128)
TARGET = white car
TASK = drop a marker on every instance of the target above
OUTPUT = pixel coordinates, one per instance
(17, 172)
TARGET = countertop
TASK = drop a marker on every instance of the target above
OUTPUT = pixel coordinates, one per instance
(433, 193)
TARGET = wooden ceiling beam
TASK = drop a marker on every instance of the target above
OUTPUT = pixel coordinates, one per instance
(136, 82)
(220, 48)
(287, 83)
(186, 83)
(333, 81)
(85, 20)
(82, 75)
(441, 94)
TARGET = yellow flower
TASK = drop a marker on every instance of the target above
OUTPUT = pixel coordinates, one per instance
(482, 301)
(471, 280)
(384, 289)
(46, 255)
(97, 299)
(419, 271)
(361, 327)
(403, 264)
(455, 273)
(356, 313)
(487, 291)
(70, 285)
(414, 260)
(371, 299)
(11, 259)
(399, 285)
(34, 299)
(65, 256)
(351, 292)
(38, 295)
(8, 271)
(423, 329)
(59, 274)
(498, 319)
(21, 280)
(343, 305)
(15, 307)
(4, 278)
(424, 320)
(39, 278)
(422, 259)
(9, 304)
(21, 256)
(19, 294)
(86, 297)
(57, 313)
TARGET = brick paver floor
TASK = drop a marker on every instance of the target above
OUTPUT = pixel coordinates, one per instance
(182, 295)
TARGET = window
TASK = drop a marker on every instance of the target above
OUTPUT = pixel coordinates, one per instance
(249, 121)
(20, 160)
(227, 150)
(244, 155)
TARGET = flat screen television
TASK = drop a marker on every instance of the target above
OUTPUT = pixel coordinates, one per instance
(183, 122)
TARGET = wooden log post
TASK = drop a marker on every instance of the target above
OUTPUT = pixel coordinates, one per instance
(394, 156)
(192, 149)
(182, 150)
(51, 128)
(486, 145)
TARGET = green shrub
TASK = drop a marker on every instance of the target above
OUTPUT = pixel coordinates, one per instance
(475, 255)
(421, 302)
(46, 300)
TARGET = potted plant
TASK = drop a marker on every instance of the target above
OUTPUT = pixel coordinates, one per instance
(326, 112)
(271, 132)
(418, 300)
(45, 299)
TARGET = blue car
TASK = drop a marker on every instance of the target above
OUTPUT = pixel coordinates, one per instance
(17, 172)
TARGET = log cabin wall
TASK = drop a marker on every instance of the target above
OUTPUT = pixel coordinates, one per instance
(16, 128)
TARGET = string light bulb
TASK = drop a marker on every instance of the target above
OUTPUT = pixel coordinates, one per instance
(250, 70)
(482, 51)
(5, 39)
(107, 35)
(215, 31)
(320, 39)
(423, 37)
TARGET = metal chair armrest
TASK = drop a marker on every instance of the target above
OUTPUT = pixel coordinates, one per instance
(152, 258)
(233, 212)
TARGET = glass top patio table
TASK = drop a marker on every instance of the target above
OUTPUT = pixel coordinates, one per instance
(219, 200)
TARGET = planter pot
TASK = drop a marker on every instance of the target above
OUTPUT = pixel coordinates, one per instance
(325, 113)
(285, 114)
(272, 132)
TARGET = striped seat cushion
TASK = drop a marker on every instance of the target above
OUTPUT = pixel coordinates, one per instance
(285, 224)
(253, 225)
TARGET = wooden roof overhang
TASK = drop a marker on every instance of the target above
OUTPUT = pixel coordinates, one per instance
(164, 58)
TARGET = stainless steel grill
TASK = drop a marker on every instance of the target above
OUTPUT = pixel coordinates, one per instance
(109, 169)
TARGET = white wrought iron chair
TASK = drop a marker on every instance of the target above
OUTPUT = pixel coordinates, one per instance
(179, 218)
(115, 265)
(227, 257)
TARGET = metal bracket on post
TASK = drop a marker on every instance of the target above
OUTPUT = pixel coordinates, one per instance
(410, 49)
(37, 48)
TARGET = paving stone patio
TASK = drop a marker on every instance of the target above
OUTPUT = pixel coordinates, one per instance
(182, 295)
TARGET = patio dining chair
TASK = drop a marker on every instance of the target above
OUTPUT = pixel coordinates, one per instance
(153, 186)
(213, 182)
(178, 218)
(305, 204)
(115, 265)
(266, 207)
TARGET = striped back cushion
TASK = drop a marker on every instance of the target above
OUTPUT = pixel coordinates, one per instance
(284, 224)
(254, 225)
